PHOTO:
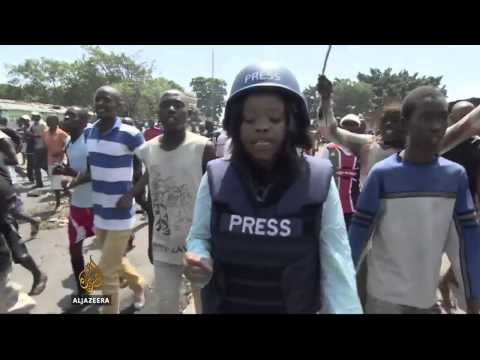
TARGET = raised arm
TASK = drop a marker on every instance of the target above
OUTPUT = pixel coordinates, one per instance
(462, 130)
(354, 142)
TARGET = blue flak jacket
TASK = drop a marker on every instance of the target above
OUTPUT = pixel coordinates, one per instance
(267, 256)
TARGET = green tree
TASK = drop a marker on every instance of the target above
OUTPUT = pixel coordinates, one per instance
(390, 85)
(11, 92)
(351, 97)
(147, 104)
(98, 68)
(64, 83)
(41, 80)
(210, 94)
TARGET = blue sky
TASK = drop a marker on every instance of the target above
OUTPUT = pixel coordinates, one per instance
(457, 63)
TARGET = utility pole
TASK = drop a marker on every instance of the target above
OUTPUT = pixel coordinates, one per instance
(213, 63)
(212, 92)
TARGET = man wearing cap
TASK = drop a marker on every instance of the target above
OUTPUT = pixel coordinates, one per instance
(25, 128)
(346, 167)
(392, 135)
(39, 149)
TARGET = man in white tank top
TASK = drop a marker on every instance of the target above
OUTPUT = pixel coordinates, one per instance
(175, 163)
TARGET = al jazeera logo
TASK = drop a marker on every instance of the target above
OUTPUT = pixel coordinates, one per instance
(91, 280)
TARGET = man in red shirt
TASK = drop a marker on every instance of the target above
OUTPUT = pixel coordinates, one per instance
(152, 132)
(346, 167)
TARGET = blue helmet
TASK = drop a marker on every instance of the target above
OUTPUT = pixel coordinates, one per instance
(267, 75)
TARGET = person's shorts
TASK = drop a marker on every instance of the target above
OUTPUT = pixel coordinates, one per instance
(377, 306)
(80, 224)
(55, 180)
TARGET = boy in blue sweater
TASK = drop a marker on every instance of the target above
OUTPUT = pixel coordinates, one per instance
(414, 207)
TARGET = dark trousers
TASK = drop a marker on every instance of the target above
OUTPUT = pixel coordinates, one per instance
(18, 249)
(30, 167)
(348, 220)
(39, 162)
(5, 258)
(377, 306)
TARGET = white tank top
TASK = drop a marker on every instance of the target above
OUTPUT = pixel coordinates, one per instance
(174, 178)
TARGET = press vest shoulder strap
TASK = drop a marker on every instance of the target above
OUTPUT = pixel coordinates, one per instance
(217, 170)
(319, 180)
(316, 184)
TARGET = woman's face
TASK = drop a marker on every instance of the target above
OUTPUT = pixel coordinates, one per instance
(264, 127)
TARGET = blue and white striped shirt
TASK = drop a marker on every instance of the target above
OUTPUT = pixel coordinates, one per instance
(110, 157)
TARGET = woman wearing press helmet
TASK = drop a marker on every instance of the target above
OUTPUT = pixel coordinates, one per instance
(268, 234)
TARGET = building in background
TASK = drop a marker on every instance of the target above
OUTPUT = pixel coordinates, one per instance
(12, 110)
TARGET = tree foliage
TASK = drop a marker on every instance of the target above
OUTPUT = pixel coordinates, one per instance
(386, 84)
(210, 94)
(62, 83)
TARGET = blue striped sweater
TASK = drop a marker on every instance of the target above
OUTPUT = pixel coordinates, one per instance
(408, 215)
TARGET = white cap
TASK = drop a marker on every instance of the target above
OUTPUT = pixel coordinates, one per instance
(351, 117)
(25, 117)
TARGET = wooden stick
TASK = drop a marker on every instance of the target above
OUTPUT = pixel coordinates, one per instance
(326, 59)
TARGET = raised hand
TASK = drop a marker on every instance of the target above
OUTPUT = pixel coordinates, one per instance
(324, 87)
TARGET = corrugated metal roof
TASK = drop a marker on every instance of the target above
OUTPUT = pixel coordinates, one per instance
(11, 105)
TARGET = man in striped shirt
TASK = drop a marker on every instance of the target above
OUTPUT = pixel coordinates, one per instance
(346, 167)
(111, 146)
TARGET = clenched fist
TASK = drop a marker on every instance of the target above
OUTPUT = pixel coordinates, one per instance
(324, 87)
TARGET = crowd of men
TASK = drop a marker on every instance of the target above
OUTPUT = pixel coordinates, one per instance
(108, 164)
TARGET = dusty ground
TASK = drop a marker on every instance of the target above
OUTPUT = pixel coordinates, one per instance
(50, 251)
